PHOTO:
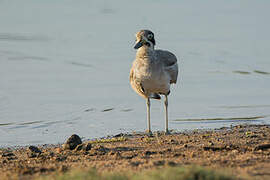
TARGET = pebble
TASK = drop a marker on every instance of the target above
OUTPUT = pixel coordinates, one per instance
(159, 163)
(148, 153)
(87, 147)
(34, 149)
(8, 154)
(171, 163)
(72, 142)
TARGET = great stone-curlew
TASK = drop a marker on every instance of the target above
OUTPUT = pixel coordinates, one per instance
(152, 72)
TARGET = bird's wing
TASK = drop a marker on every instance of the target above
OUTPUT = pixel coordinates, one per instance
(167, 57)
(170, 63)
(135, 84)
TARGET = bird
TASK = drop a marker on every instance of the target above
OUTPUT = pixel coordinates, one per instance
(152, 72)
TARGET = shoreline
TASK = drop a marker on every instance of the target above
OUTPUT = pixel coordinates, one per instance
(133, 133)
(244, 150)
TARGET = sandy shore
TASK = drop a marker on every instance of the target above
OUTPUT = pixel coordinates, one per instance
(243, 151)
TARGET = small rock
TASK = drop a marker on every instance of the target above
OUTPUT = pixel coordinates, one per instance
(119, 135)
(34, 149)
(159, 163)
(32, 155)
(43, 170)
(72, 142)
(213, 148)
(147, 153)
(87, 147)
(171, 163)
(262, 147)
(7, 154)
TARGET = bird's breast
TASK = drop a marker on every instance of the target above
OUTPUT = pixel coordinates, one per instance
(153, 79)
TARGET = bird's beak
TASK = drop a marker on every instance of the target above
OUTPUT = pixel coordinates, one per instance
(138, 44)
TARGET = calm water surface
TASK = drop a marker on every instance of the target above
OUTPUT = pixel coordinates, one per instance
(64, 66)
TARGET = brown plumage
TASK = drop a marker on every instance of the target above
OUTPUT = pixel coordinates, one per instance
(152, 71)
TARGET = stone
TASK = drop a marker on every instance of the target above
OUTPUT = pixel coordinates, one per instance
(87, 147)
(262, 147)
(72, 142)
(32, 155)
(34, 149)
(159, 163)
(7, 154)
(171, 163)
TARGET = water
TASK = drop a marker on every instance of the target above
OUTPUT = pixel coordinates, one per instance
(64, 66)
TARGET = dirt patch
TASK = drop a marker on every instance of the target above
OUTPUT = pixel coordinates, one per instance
(242, 150)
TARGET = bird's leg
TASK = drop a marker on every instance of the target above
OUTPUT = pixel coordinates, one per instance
(166, 114)
(148, 116)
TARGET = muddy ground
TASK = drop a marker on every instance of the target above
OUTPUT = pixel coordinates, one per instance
(243, 151)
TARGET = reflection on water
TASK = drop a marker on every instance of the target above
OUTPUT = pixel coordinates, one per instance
(64, 66)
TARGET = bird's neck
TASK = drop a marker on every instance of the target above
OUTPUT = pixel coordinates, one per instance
(145, 51)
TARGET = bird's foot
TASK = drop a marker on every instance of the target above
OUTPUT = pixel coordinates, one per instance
(149, 132)
(167, 132)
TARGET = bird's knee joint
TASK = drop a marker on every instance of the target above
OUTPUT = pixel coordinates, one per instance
(148, 102)
(166, 102)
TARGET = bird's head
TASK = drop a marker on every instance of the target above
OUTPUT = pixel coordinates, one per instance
(145, 38)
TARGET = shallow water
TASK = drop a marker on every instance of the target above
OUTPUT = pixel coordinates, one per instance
(64, 66)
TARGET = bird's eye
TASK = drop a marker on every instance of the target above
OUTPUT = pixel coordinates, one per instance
(150, 36)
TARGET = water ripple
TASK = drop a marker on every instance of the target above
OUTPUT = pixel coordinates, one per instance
(21, 37)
